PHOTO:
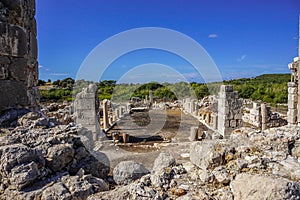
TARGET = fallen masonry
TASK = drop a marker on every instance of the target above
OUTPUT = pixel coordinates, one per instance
(241, 167)
(254, 116)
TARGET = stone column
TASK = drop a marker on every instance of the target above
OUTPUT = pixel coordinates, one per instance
(192, 107)
(105, 114)
(122, 111)
(128, 108)
(292, 104)
(214, 121)
(196, 108)
(187, 104)
(151, 96)
(117, 110)
(110, 120)
(264, 116)
(293, 114)
(298, 100)
(194, 134)
(114, 118)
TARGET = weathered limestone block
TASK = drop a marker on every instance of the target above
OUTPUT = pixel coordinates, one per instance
(209, 154)
(163, 160)
(247, 186)
(128, 171)
(194, 133)
(13, 93)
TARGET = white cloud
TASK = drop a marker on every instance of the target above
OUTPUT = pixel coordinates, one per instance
(59, 74)
(212, 35)
(191, 75)
(242, 58)
(40, 66)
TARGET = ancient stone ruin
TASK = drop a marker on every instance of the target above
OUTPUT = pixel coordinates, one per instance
(293, 93)
(253, 116)
(222, 114)
(86, 108)
(293, 115)
(18, 55)
(230, 110)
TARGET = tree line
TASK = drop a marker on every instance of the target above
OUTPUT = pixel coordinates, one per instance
(270, 88)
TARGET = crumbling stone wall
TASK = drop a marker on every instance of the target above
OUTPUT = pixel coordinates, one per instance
(253, 115)
(18, 55)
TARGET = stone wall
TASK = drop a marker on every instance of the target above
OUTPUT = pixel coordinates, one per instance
(253, 116)
(18, 55)
(293, 114)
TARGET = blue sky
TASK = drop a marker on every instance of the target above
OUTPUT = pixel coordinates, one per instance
(244, 38)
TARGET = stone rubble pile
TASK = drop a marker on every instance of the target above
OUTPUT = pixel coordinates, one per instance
(62, 112)
(251, 164)
(254, 117)
(44, 160)
(41, 159)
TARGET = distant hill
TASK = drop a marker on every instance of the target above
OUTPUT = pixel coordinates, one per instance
(270, 88)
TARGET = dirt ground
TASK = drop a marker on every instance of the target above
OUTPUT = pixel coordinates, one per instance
(151, 133)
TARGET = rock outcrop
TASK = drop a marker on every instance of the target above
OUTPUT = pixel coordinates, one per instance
(18, 55)
(43, 160)
(251, 164)
(247, 186)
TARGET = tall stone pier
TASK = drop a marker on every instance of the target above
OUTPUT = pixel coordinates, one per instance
(151, 96)
(293, 114)
(230, 110)
(86, 107)
(18, 55)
